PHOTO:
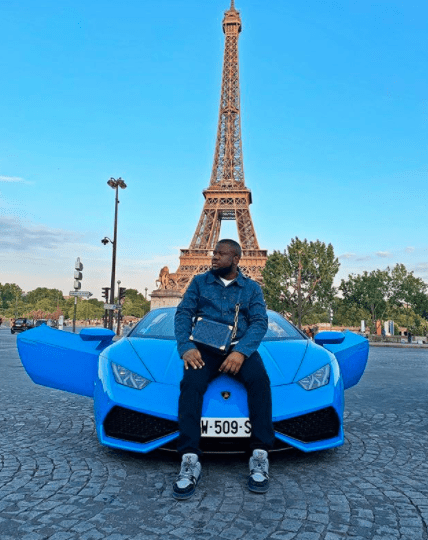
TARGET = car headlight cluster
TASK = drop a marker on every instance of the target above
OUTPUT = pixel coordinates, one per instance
(318, 378)
(129, 378)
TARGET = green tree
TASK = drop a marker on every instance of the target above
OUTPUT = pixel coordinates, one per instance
(293, 281)
(68, 308)
(12, 300)
(50, 298)
(406, 317)
(346, 314)
(387, 294)
(370, 291)
(318, 314)
(9, 293)
(87, 309)
(45, 304)
(49, 302)
(409, 291)
(135, 304)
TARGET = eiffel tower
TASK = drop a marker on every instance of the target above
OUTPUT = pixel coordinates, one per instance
(226, 198)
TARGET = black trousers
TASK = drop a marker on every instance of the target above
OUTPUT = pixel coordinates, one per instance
(193, 386)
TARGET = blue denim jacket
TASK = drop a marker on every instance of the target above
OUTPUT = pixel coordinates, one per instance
(207, 296)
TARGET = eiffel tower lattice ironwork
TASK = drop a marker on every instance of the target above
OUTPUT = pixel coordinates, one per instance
(227, 197)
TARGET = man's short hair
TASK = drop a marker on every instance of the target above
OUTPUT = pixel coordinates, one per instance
(233, 244)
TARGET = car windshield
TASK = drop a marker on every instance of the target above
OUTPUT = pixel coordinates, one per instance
(19, 321)
(280, 329)
(159, 323)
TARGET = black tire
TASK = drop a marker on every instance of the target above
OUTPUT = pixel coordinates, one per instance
(12, 331)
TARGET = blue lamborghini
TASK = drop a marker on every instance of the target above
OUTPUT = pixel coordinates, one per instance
(134, 383)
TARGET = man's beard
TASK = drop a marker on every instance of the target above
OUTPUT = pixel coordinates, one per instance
(222, 272)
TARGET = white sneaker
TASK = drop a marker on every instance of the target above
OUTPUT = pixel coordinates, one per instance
(190, 473)
(258, 481)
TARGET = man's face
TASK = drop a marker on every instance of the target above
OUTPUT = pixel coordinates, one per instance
(224, 260)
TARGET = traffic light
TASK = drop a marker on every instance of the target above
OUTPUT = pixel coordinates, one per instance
(122, 294)
(106, 292)
(78, 267)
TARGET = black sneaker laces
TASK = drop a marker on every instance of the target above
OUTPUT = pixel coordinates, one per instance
(187, 471)
(258, 466)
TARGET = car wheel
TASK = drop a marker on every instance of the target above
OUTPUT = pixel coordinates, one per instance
(12, 331)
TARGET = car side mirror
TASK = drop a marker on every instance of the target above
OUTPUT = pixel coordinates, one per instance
(104, 335)
(329, 338)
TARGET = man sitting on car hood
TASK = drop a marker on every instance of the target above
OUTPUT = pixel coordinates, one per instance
(213, 295)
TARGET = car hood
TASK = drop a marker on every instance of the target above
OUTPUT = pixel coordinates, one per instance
(282, 359)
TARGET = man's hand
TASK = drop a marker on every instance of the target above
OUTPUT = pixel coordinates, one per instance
(233, 363)
(193, 358)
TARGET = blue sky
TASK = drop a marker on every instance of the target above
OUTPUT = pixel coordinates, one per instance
(334, 107)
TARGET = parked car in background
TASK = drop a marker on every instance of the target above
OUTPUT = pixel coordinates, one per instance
(21, 324)
(39, 322)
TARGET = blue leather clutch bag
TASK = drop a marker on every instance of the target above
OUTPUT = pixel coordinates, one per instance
(212, 334)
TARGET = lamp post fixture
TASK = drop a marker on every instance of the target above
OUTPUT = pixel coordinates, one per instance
(114, 184)
(146, 292)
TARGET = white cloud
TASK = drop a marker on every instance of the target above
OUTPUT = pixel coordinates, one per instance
(383, 254)
(161, 259)
(366, 258)
(347, 256)
(157, 261)
(409, 249)
(88, 248)
(421, 270)
(19, 237)
(12, 179)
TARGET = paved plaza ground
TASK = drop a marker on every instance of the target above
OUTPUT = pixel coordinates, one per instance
(58, 483)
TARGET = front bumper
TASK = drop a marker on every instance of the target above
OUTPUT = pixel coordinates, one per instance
(141, 421)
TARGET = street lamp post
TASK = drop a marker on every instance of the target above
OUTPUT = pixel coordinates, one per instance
(118, 311)
(115, 184)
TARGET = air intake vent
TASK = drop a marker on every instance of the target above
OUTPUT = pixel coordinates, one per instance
(311, 427)
(121, 423)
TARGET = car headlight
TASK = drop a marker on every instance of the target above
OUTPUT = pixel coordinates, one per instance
(318, 378)
(129, 378)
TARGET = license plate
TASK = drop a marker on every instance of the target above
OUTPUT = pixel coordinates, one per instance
(225, 427)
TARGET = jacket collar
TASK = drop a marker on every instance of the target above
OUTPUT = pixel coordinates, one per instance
(239, 280)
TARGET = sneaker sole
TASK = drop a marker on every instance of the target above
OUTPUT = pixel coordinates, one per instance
(184, 496)
(258, 489)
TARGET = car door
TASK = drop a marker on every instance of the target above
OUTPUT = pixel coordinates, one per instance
(63, 360)
(352, 356)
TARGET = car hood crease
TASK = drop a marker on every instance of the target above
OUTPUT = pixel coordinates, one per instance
(160, 358)
(282, 360)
